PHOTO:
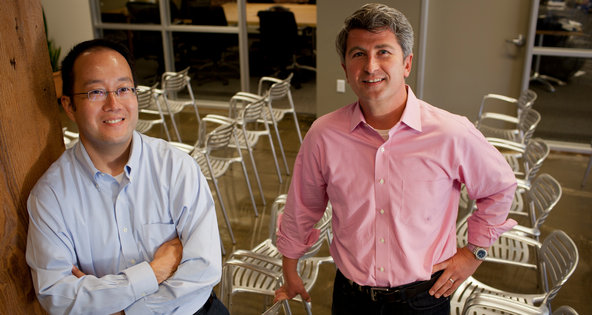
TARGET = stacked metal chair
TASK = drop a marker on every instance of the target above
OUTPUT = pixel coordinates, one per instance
(557, 260)
(273, 89)
(212, 165)
(148, 101)
(173, 83)
(259, 270)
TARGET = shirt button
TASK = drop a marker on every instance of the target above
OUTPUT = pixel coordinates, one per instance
(382, 181)
(381, 149)
(133, 261)
(381, 211)
(125, 230)
(382, 240)
(382, 269)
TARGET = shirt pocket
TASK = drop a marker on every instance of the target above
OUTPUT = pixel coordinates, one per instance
(155, 234)
(425, 201)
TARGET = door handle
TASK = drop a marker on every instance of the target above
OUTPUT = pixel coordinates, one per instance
(518, 41)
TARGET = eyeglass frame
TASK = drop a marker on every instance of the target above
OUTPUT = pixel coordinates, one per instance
(134, 91)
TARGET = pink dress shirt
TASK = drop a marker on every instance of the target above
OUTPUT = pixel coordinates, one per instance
(395, 202)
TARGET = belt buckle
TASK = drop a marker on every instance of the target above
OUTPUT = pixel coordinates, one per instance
(375, 291)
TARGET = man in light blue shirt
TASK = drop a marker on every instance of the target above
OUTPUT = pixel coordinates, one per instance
(121, 222)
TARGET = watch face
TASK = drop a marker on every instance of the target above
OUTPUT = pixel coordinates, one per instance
(481, 254)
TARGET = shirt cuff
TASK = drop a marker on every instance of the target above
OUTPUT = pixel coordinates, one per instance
(486, 235)
(142, 280)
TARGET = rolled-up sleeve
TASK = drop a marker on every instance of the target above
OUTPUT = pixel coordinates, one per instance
(491, 183)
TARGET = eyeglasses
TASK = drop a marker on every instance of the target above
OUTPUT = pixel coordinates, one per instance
(98, 95)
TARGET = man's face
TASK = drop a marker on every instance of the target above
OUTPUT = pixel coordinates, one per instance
(107, 124)
(374, 66)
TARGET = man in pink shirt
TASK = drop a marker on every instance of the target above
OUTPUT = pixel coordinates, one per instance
(392, 167)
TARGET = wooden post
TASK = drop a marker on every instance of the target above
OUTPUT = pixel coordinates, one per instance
(30, 140)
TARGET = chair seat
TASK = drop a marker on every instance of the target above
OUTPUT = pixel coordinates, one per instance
(219, 165)
(174, 107)
(507, 134)
(278, 114)
(145, 125)
(472, 285)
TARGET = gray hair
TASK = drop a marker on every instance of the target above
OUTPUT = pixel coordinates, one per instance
(375, 17)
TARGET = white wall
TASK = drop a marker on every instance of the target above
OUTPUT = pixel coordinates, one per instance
(68, 22)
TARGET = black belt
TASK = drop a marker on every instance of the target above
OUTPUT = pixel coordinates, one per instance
(399, 294)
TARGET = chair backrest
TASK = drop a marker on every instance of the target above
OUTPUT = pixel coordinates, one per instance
(559, 259)
(280, 89)
(544, 194)
(216, 139)
(253, 111)
(527, 123)
(145, 97)
(175, 81)
(535, 153)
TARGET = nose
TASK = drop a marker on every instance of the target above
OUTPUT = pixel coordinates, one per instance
(371, 64)
(111, 102)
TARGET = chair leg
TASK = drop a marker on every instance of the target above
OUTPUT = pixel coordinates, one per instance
(277, 165)
(175, 127)
(255, 171)
(277, 133)
(297, 127)
(223, 207)
(249, 187)
(295, 117)
(587, 172)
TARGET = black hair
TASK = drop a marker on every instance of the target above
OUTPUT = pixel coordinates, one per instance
(76, 51)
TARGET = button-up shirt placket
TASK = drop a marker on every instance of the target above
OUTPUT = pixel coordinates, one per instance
(382, 233)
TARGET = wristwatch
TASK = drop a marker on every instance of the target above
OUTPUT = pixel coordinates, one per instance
(479, 252)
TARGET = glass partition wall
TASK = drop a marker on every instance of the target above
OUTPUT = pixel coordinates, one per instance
(209, 37)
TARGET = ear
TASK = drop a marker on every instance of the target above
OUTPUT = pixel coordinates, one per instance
(344, 70)
(407, 65)
(68, 106)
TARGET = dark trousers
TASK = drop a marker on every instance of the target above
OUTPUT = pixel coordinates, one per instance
(347, 299)
(213, 306)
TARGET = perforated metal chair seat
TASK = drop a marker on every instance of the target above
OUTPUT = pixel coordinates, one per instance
(557, 259)
(259, 270)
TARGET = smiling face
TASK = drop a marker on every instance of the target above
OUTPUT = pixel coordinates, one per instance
(375, 68)
(104, 126)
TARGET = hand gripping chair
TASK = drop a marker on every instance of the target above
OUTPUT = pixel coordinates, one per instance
(494, 125)
(275, 89)
(147, 101)
(523, 102)
(172, 83)
(259, 270)
(558, 259)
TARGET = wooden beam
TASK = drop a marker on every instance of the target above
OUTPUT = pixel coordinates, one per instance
(30, 140)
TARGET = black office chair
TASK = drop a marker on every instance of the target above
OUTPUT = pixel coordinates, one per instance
(211, 48)
(149, 57)
(143, 12)
(280, 42)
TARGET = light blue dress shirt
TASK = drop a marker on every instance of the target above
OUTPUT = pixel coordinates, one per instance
(110, 231)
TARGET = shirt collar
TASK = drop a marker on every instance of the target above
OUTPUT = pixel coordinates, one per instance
(411, 115)
(133, 161)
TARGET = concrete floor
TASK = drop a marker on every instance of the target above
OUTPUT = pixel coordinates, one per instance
(573, 214)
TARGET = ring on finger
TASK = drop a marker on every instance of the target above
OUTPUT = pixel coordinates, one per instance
(451, 281)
